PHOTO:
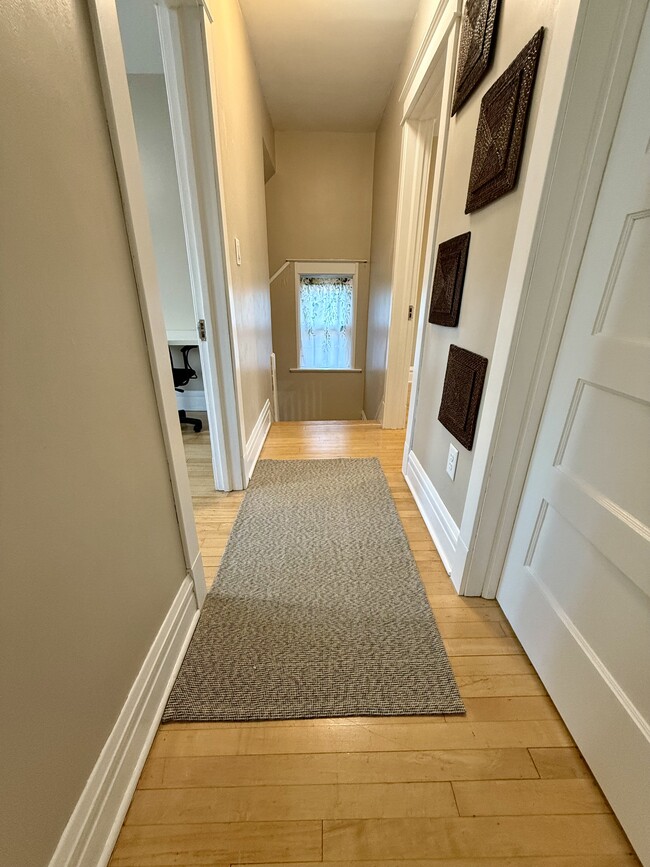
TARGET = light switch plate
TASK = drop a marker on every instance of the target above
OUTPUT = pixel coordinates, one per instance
(238, 251)
(452, 459)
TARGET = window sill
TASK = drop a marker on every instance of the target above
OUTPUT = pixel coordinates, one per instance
(325, 370)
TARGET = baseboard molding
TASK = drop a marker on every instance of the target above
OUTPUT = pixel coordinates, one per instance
(191, 401)
(440, 524)
(256, 439)
(93, 828)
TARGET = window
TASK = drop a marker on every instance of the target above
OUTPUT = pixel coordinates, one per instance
(326, 316)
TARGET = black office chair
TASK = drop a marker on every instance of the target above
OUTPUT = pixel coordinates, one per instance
(182, 376)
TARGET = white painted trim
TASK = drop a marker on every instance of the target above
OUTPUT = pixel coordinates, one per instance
(441, 21)
(280, 270)
(257, 438)
(185, 58)
(192, 400)
(437, 52)
(429, 260)
(274, 387)
(110, 59)
(587, 69)
(440, 524)
(95, 823)
(182, 107)
(415, 163)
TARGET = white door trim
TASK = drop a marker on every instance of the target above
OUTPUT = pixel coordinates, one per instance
(439, 45)
(182, 40)
(110, 58)
(587, 71)
(429, 60)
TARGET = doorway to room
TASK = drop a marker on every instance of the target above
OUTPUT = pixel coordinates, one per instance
(162, 100)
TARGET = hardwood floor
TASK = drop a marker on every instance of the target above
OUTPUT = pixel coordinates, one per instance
(503, 786)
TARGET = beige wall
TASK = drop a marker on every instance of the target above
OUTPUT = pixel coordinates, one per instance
(493, 230)
(319, 201)
(311, 395)
(245, 128)
(319, 205)
(384, 207)
(90, 550)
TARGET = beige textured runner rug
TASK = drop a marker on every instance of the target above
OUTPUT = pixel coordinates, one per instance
(318, 609)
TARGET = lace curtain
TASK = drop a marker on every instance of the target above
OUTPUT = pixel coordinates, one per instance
(326, 308)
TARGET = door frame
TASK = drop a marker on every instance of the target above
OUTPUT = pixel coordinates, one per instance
(587, 72)
(438, 46)
(187, 79)
(110, 58)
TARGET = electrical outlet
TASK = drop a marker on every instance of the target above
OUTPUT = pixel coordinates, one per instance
(452, 459)
(238, 251)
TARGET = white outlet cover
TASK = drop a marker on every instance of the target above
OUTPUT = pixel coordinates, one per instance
(452, 460)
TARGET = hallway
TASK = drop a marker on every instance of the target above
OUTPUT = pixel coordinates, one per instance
(503, 785)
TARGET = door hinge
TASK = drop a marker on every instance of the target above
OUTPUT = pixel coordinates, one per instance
(410, 312)
(202, 332)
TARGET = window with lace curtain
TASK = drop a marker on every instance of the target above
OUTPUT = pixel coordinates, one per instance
(326, 318)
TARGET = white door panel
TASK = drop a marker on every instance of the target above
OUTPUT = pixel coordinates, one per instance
(576, 584)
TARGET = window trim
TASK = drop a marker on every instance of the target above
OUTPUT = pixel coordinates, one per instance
(323, 269)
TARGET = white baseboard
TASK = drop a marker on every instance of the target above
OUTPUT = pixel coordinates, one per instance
(93, 828)
(256, 439)
(191, 401)
(440, 524)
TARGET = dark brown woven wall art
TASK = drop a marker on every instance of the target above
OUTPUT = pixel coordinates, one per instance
(461, 393)
(477, 40)
(501, 128)
(448, 279)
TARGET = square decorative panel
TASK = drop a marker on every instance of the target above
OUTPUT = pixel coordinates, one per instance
(461, 393)
(477, 38)
(501, 128)
(448, 279)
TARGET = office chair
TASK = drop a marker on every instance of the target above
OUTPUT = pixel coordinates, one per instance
(182, 376)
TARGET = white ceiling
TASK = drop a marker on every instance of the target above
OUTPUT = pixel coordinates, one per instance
(328, 64)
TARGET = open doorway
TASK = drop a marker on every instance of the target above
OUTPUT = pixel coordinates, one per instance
(156, 78)
(162, 98)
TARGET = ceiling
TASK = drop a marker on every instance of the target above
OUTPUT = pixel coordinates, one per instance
(328, 64)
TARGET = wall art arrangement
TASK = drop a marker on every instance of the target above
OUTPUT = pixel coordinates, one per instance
(501, 129)
(461, 393)
(477, 38)
(448, 279)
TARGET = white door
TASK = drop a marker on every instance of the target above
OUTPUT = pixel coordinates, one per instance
(576, 583)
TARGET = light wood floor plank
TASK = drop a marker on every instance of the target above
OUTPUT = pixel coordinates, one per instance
(412, 737)
(306, 769)
(529, 797)
(623, 860)
(295, 803)
(191, 845)
(478, 837)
